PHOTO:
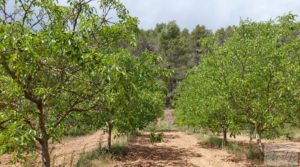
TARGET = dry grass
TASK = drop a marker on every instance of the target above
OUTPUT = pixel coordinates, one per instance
(102, 157)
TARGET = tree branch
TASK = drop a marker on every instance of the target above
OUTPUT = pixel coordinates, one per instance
(26, 11)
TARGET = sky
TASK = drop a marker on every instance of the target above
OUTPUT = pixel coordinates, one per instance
(213, 14)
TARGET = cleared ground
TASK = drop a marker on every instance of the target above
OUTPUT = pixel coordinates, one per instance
(177, 149)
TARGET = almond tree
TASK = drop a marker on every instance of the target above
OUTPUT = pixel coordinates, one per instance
(250, 80)
(41, 65)
(203, 99)
(263, 59)
(129, 93)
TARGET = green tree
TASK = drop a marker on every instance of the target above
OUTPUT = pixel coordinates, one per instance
(43, 81)
(264, 62)
(130, 96)
(203, 99)
(223, 34)
(252, 79)
(180, 50)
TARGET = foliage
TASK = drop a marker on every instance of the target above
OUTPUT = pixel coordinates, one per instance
(128, 90)
(202, 100)
(265, 68)
(155, 137)
(45, 76)
(180, 49)
(251, 80)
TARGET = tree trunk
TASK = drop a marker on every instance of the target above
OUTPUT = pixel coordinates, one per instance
(258, 141)
(45, 153)
(109, 126)
(250, 135)
(44, 136)
(224, 136)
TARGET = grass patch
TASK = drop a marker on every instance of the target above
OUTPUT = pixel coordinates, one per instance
(102, 156)
(30, 160)
(214, 141)
(253, 154)
(237, 148)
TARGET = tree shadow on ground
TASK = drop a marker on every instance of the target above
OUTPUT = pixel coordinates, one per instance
(142, 154)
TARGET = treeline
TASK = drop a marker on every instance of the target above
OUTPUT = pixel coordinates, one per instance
(180, 49)
(250, 81)
(63, 67)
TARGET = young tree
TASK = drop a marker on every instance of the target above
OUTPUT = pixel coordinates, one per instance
(252, 77)
(130, 96)
(202, 99)
(264, 62)
(43, 81)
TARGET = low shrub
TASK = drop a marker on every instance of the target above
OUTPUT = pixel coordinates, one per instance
(155, 137)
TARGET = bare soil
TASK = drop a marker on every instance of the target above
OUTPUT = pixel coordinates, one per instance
(177, 149)
(67, 152)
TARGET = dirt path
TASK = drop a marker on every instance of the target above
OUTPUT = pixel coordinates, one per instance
(177, 149)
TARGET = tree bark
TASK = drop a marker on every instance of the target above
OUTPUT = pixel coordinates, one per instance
(250, 135)
(224, 136)
(258, 140)
(45, 153)
(44, 136)
(110, 127)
